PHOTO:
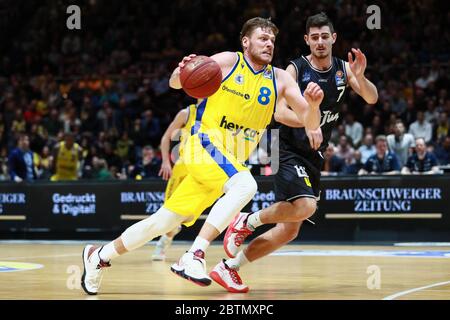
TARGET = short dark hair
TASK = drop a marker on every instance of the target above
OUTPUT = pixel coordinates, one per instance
(319, 20)
(255, 23)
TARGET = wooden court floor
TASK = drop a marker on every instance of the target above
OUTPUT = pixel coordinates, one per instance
(337, 274)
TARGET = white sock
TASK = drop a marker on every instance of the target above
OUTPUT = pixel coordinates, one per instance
(108, 252)
(199, 243)
(254, 220)
(237, 262)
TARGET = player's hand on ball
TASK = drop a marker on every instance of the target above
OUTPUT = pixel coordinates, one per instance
(186, 60)
(315, 137)
(357, 66)
(165, 171)
(313, 95)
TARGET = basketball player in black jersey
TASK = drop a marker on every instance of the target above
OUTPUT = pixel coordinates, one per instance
(298, 178)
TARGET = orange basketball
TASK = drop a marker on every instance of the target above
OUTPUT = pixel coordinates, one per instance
(201, 77)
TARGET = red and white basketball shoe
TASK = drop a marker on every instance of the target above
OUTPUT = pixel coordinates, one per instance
(228, 278)
(236, 234)
(93, 268)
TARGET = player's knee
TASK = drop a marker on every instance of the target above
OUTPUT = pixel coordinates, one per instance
(290, 235)
(252, 187)
(304, 208)
(288, 232)
(243, 181)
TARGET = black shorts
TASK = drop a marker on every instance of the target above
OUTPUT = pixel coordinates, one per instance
(298, 177)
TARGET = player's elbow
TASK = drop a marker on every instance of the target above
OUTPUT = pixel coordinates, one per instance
(372, 99)
(174, 84)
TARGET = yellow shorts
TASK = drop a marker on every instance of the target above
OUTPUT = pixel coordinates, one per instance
(179, 172)
(209, 166)
(58, 177)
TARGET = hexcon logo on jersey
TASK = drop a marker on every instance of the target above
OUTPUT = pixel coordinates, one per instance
(249, 133)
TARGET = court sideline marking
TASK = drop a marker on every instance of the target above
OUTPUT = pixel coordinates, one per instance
(404, 293)
(40, 257)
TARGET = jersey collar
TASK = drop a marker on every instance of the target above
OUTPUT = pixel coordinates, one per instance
(250, 67)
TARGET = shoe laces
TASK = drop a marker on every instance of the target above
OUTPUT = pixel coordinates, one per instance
(199, 254)
(241, 235)
(103, 264)
(233, 274)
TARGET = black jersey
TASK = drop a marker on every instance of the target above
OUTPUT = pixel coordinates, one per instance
(334, 85)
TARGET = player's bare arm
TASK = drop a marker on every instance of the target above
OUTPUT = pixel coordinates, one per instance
(306, 107)
(314, 135)
(226, 61)
(283, 114)
(355, 70)
(175, 125)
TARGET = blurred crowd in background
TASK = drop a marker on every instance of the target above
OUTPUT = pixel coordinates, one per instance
(104, 88)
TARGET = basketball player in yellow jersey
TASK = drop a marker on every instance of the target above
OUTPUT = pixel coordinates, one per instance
(227, 128)
(67, 157)
(180, 125)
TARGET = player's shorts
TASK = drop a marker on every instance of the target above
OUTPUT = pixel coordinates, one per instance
(209, 166)
(59, 177)
(179, 172)
(298, 178)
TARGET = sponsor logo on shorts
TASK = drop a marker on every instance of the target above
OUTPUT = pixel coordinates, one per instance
(328, 117)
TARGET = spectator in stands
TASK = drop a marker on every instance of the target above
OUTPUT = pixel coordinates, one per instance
(431, 115)
(67, 156)
(151, 128)
(353, 129)
(45, 164)
(422, 161)
(401, 143)
(3, 170)
(148, 167)
(21, 162)
(333, 164)
(442, 151)
(344, 150)
(100, 169)
(52, 123)
(377, 126)
(111, 157)
(19, 125)
(124, 147)
(356, 165)
(367, 149)
(421, 128)
(383, 162)
(424, 79)
(442, 128)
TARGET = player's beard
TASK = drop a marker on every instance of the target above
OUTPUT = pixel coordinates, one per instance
(321, 55)
(257, 56)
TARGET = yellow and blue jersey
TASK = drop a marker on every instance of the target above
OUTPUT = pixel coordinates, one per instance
(238, 113)
(224, 131)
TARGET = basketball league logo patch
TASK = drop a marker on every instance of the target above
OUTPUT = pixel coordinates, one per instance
(268, 73)
(340, 81)
(239, 79)
(306, 77)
